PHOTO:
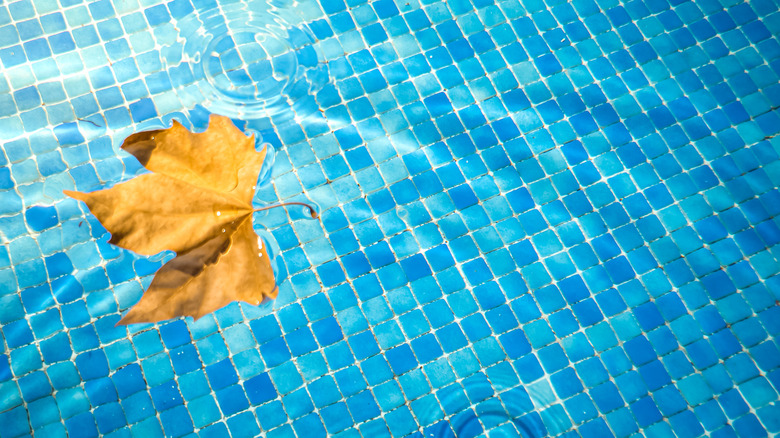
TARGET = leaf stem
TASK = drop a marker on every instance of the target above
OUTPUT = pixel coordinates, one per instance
(312, 212)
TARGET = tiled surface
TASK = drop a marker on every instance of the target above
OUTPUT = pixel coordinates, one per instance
(562, 214)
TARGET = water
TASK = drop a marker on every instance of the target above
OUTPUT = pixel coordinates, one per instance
(537, 218)
(249, 60)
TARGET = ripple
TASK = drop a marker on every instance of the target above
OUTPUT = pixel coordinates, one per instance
(247, 59)
(494, 406)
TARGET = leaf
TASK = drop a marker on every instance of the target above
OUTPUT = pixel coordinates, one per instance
(198, 203)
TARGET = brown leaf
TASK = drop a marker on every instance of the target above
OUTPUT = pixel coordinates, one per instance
(198, 203)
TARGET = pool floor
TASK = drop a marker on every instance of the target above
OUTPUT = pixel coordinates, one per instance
(538, 218)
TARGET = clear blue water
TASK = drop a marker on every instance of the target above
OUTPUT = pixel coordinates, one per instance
(538, 218)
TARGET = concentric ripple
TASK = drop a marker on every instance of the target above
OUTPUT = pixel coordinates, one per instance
(247, 59)
(497, 407)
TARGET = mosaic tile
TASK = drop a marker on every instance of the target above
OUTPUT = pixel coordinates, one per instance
(582, 195)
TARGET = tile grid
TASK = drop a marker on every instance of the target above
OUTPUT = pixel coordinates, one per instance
(624, 253)
(456, 319)
(395, 318)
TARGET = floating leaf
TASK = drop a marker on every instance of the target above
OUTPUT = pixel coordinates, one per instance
(197, 202)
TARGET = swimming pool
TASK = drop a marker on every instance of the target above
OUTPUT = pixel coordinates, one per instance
(537, 218)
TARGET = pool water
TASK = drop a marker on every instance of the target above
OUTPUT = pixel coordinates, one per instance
(537, 218)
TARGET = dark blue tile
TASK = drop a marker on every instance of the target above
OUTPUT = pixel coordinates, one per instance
(274, 352)
(166, 396)
(34, 386)
(401, 359)
(701, 353)
(41, 218)
(426, 348)
(654, 375)
(176, 421)
(639, 350)
(260, 389)
(232, 400)
(56, 348)
(128, 380)
(331, 273)
(566, 383)
(92, 364)
(18, 333)
(725, 343)
(175, 334)
(109, 417)
(82, 424)
(301, 341)
(587, 312)
(415, 267)
(645, 411)
(648, 316)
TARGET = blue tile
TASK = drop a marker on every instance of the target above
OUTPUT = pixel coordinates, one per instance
(128, 380)
(363, 406)
(414, 323)
(100, 391)
(82, 424)
(146, 343)
(42, 412)
(176, 421)
(350, 381)
(301, 341)
(552, 358)
(566, 383)
(260, 389)
(157, 369)
(376, 370)
(232, 400)
(563, 323)
(275, 352)
(336, 417)
(748, 425)
(34, 386)
(166, 396)
(401, 359)
(451, 337)
(203, 411)
(701, 353)
(577, 348)
(92, 364)
(324, 391)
